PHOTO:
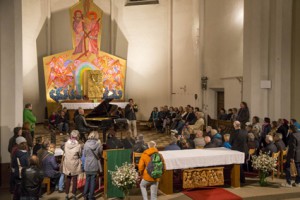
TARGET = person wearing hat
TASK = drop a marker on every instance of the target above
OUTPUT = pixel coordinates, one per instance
(19, 161)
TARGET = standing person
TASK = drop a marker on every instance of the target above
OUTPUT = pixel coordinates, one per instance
(147, 179)
(130, 111)
(27, 134)
(19, 160)
(293, 156)
(72, 163)
(32, 178)
(243, 114)
(238, 141)
(28, 116)
(12, 141)
(91, 151)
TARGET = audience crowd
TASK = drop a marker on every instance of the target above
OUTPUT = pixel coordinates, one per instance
(33, 158)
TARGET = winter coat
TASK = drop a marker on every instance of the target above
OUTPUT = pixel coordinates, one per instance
(130, 113)
(294, 147)
(49, 165)
(91, 163)
(171, 147)
(32, 178)
(144, 161)
(28, 116)
(72, 161)
(24, 161)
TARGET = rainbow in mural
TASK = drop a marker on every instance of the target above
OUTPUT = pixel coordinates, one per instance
(64, 71)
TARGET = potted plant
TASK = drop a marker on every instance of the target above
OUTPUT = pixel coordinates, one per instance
(264, 164)
(125, 178)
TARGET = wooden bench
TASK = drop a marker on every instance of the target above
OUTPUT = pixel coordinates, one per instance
(46, 181)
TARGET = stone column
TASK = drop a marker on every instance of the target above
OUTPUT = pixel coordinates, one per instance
(11, 81)
(267, 56)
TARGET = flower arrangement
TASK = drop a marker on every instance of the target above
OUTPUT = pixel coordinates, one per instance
(265, 164)
(125, 177)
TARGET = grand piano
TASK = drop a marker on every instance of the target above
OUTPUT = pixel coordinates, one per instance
(104, 116)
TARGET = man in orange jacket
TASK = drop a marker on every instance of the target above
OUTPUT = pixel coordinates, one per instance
(146, 178)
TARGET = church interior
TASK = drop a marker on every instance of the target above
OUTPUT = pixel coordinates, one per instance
(210, 54)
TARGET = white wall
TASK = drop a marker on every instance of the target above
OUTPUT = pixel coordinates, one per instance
(223, 51)
(11, 91)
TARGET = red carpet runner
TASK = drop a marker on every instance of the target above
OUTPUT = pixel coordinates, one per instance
(211, 194)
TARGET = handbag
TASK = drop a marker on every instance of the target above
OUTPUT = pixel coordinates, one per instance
(98, 160)
(81, 180)
(293, 169)
(20, 168)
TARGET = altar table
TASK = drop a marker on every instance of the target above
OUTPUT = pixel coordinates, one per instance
(194, 158)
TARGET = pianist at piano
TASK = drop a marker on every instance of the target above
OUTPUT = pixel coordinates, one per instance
(81, 125)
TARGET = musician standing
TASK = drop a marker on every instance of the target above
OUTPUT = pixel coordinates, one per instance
(130, 111)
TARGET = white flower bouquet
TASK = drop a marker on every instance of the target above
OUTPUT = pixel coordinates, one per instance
(125, 177)
(264, 163)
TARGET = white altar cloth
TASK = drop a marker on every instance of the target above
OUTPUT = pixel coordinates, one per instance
(75, 106)
(183, 159)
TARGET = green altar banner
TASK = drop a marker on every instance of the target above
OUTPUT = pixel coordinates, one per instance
(116, 158)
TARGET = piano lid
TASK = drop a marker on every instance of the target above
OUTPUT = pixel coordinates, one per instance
(104, 109)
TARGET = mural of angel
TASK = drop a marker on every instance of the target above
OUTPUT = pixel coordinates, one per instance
(61, 72)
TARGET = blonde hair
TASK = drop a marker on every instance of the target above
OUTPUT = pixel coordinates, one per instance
(226, 137)
(213, 132)
(151, 144)
(94, 135)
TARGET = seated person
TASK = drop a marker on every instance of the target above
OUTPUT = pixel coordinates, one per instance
(252, 142)
(52, 120)
(198, 125)
(128, 142)
(172, 145)
(81, 125)
(32, 178)
(184, 141)
(279, 142)
(38, 145)
(216, 138)
(208, 143)
(62, 122)
(140, 146)
(222, 114)
(188, 119)
(43, 151)
(208, 131)
(199, 140)
(154, 116)
(112, 141)
(270, 147)
(226, 143)
(50, 167)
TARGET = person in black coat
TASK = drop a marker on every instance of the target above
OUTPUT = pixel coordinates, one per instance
(243, 114)
(271, 147)
(293, 156)
(208, 142)
(32, 178)
(238, 141)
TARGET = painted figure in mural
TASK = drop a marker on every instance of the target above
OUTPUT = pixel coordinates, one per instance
(61, 72)
(93, 28)
(78, 28)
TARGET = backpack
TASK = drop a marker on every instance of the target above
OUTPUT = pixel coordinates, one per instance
(155, 166)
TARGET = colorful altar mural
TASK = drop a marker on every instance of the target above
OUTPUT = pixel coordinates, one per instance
(64, 71)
